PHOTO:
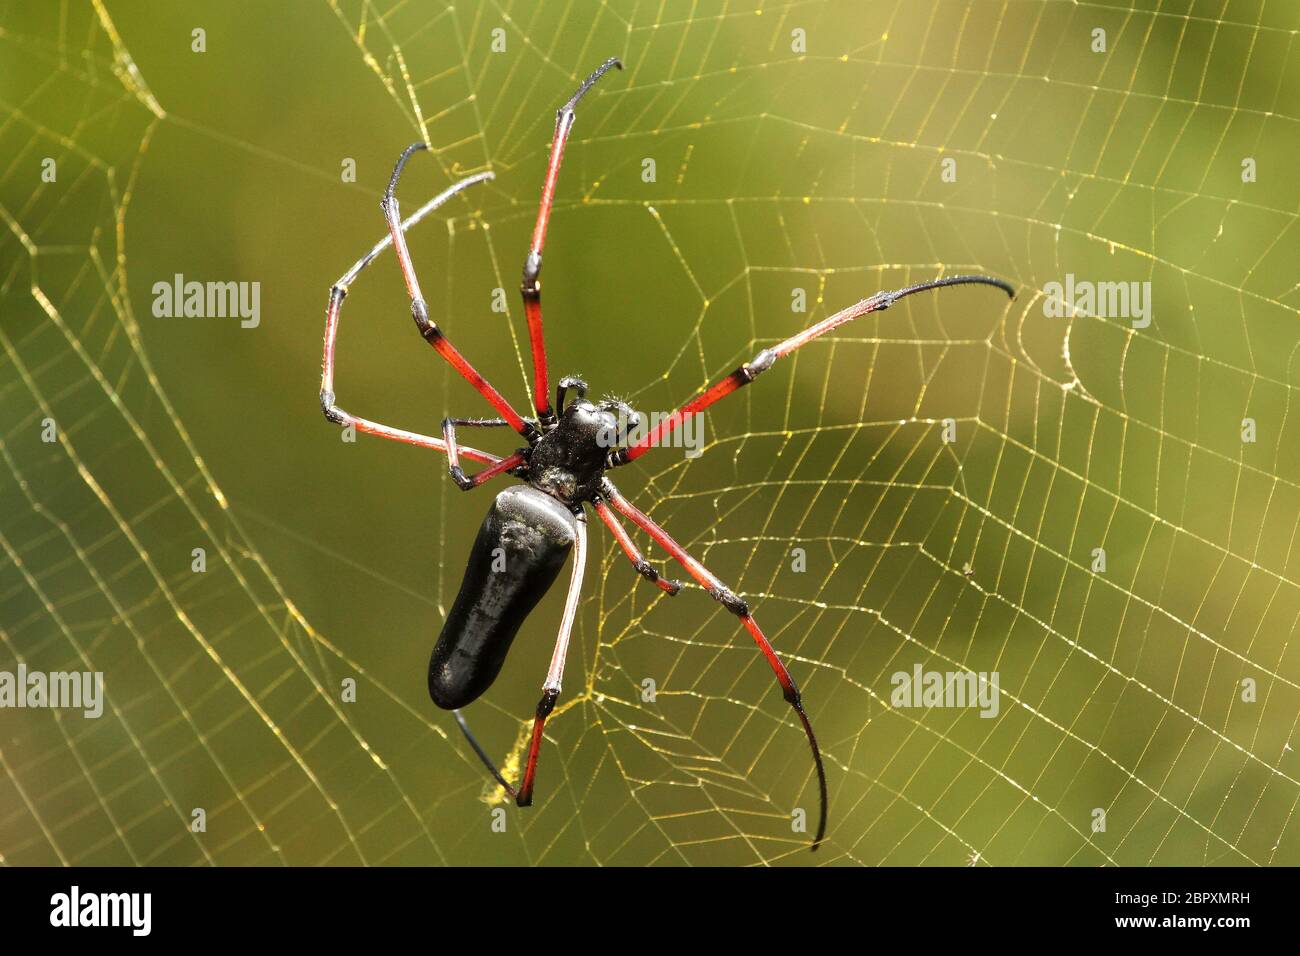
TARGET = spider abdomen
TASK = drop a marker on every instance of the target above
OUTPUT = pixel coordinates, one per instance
(519, 551)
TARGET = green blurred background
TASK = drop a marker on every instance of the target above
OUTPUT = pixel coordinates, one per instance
(776, 170)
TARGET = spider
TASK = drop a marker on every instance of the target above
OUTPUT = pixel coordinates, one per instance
(570, 447)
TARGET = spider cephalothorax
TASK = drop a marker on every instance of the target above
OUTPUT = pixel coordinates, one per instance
(531, 529)
(569, 459)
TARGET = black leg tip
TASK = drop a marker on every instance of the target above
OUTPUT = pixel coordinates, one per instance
(397, 171)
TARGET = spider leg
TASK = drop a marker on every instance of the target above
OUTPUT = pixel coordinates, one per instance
(561, 390)
(765, 359)
(483, 756)
(737, 606)
(643, 567)
(333, 314)
(469, 482)
(554, 676)
(530, 287)
(420, 310)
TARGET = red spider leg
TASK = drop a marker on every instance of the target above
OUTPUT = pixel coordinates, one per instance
(555, 674)
(333, 313)
(736, 605)
(765, 359)
(633, 553)
(530, 287)
(420, 311)
(469, 482)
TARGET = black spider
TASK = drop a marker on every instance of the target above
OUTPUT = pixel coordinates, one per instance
(570, 448)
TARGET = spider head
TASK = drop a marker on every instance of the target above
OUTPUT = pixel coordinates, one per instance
(628, 421)
(569, 459)
(605, 425)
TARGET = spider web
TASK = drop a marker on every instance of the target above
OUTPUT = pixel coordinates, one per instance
(1121, 690)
